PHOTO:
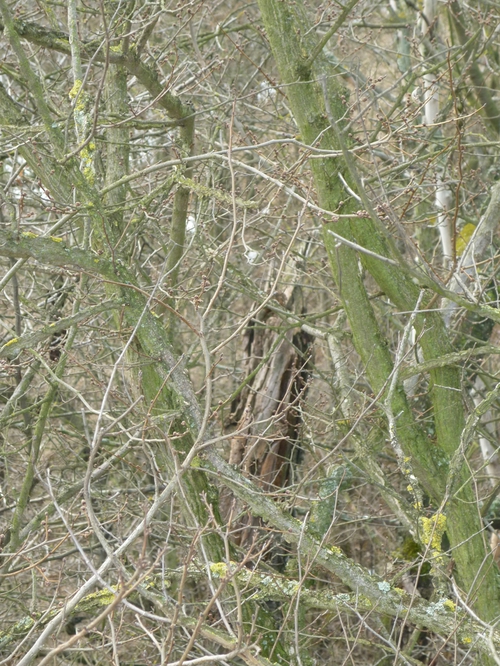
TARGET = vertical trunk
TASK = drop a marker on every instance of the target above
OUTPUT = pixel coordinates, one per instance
(285, 24)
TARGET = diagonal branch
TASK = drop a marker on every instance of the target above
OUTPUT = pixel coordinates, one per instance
(442, 616)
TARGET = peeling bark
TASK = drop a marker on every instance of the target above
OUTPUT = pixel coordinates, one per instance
(267, 412)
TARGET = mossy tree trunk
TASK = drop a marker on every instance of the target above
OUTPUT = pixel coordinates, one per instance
(319, 104)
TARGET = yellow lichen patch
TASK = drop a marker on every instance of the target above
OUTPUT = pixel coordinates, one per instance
(102, 597)
(77, 86)
(10, 342)
(89, 174)
(432, 530)
(467, 640)
(449, 605)
(56, 239)
(364, 602)
(218, 568)
(87, 157)
(463, 238)
(29, 234)
(335, 550)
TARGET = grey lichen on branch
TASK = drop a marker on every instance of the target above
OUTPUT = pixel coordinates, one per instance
(268, 586)
(369, 590)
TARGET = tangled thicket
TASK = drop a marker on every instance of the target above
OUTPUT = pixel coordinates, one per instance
(249, 331)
